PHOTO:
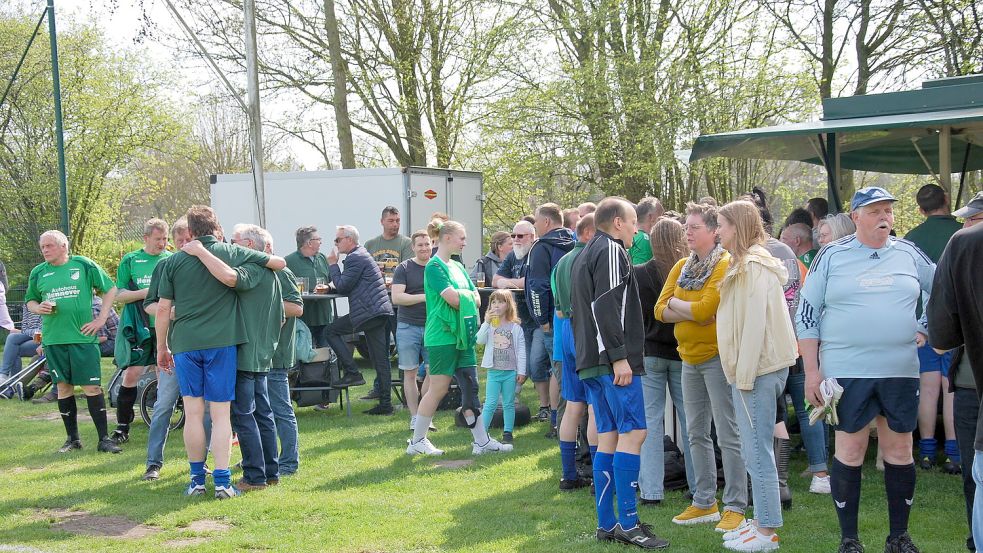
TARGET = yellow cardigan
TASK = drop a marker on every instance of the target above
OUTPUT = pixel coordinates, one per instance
(697, 343)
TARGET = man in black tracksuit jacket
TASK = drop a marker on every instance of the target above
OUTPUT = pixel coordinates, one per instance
(609, 333)
(955, 317)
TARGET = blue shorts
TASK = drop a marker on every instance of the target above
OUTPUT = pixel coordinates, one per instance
(409, 347)
(208, 373)
(571, 387)
(930, 362)
(865, 398)
(620, 408)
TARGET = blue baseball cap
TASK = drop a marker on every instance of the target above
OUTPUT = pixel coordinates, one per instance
(869, 195)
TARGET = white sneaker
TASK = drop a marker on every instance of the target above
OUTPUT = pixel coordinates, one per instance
(491, 446)
(820, 484)
(423, 447)
(746, 526)
(753, 541)
(413, 422)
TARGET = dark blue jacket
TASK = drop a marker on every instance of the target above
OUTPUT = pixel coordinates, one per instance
(543, 256)
(362, 282)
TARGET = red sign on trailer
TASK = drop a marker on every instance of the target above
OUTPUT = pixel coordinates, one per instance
(430, 194)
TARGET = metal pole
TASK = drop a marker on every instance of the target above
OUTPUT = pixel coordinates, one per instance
(255, 124)
(945, 158)
(10, 84)
(59, 131)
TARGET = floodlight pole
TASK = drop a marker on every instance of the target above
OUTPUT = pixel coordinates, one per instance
(255, 123)
(59, 130)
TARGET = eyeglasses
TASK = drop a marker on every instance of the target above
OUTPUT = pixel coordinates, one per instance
(520, 235)
(339, 239)
(688, 228)
(318, 239)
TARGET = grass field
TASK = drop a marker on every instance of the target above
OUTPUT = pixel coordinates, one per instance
(357, 491)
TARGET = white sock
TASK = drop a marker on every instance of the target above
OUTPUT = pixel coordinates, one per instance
(479, 434)
(421, 428)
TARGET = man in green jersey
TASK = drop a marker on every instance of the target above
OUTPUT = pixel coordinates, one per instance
(60, 290)
(208, 325)
(310, 266)
(132, 281)
(648, 212)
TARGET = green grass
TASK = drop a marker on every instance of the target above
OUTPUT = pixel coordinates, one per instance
(358, 491)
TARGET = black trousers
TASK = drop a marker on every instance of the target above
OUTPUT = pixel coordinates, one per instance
(966, 407)
(376, 332)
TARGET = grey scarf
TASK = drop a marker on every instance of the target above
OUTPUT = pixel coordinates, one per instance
(697, 271)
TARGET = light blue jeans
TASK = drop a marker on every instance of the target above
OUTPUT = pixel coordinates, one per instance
(755, 411)
(286, 421)
(813, 436)
(168, 392)
(658, 373)
(978, 500)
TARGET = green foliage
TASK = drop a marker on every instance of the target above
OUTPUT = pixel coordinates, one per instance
(115, 112)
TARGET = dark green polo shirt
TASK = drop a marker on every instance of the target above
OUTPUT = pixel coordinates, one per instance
(207, 312)
(261, 303)
(285, 355)
(933, 234)
(317, 313)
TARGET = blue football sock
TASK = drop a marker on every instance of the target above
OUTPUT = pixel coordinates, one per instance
(926, 448)
(568, 455)
(626, 482)
(604, 490)
(952, 451)
(198, 472)
(222, 477)
(552, 417)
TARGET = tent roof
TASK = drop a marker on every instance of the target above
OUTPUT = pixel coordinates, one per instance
(899, 134)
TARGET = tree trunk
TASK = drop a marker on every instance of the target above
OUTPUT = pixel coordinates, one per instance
(339, 72)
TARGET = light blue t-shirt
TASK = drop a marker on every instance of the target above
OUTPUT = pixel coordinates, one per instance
(859, 302)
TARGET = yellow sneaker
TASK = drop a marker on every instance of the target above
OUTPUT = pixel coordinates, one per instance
(730, 521)
(696, 515)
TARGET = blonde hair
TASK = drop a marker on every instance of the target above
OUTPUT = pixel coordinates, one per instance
(438, 228)
(511, 313)
(749, 229)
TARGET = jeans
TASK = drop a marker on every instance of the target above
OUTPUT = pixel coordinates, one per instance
(500, 383)
(17, 345)
(755, 413)
(813, 436)
(168, 392)
(707, 397)
(978, 498)
(252, 419)
(376, 332)
(966, 407)
(409, 347)
(540, 351)
(658, 373)
(286, 421)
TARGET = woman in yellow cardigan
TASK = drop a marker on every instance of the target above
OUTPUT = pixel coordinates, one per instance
(689, 298)
(757, 345)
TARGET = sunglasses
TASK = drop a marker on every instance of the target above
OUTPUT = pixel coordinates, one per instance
(514, 236)
(337, 240)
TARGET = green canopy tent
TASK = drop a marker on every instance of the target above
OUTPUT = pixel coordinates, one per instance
(924, 131)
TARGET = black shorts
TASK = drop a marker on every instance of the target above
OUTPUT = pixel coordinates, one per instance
(865, 398)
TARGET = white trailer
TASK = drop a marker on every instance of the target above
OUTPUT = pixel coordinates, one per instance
(356, 197)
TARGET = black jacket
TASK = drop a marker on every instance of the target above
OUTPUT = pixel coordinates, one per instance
(607, 315)
(955, 310)
(362, 282)
(659, 338)
(543, 256)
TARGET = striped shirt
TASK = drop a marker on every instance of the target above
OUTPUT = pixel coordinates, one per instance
(859, 302)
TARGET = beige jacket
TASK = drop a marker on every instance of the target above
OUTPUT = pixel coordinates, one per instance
(754, 333)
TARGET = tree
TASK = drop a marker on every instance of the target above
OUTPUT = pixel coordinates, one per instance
(114, 113)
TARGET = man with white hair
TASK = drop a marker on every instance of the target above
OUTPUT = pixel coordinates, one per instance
(60, 290)
(512, 274)
(369, 312)
(798, 236)
(859, 303)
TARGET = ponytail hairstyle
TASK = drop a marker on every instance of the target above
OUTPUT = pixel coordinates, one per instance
(438, 229)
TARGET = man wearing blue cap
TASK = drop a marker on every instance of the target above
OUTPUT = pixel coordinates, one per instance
(859, 303)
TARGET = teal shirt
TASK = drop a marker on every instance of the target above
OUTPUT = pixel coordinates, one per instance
(319, 312)
(560, 280)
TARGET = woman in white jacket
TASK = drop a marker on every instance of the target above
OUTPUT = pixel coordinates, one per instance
(757, 345)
